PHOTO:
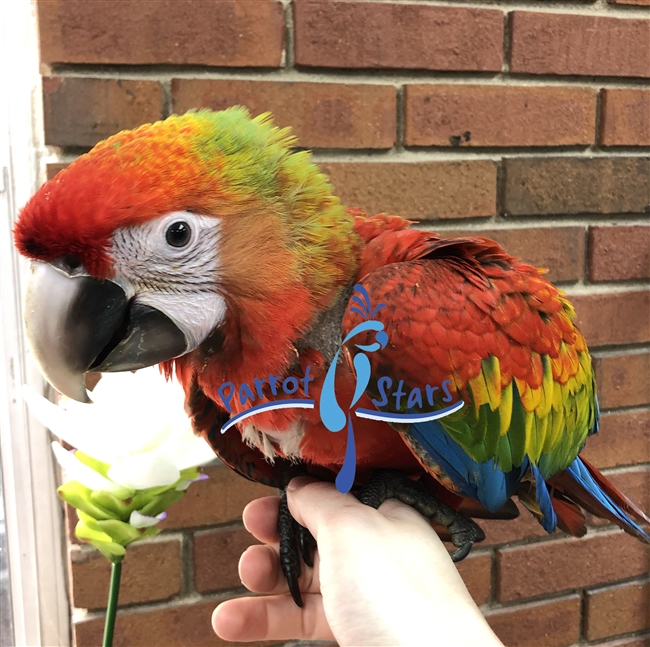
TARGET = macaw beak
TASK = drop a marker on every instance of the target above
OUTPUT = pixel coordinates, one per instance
(77, 323)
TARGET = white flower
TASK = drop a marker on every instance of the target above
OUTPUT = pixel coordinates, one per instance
(135, 455)
(136, 425)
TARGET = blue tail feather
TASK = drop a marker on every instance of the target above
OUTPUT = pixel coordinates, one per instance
(581, 475)
(549, 518)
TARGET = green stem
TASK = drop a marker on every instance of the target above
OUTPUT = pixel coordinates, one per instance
(111, 610)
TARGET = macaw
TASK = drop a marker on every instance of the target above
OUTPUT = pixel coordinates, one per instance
(206, 244)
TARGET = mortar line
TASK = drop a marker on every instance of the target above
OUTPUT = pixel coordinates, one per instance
(400, 111)
(582, 620)
(552, 6)
(363, 76)
(599, 116)
(167, 105)
(289, 35)
(507, 40)
(585, 254)
(187, 564)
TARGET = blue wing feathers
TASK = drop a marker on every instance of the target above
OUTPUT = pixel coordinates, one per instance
(492, 487)
(482, 481)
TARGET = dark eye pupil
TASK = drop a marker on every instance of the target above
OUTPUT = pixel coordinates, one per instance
(178, 234)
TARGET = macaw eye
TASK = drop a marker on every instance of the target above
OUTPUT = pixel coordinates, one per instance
(178, 234)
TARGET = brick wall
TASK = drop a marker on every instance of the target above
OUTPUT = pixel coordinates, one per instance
(526, 121)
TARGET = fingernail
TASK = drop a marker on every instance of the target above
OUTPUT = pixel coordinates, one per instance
(299, 482)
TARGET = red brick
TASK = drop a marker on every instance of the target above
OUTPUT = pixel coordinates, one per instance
(476, 571)
(614, 318)
(420, 191)
(552, 623)
(635, 484)
(496, 115)
(216, 557)
(321, 115)
(625, 117)
(82, 111)
(402, 36)
(176, 32)
(219, 499)
(570, 185)
(623, 439)
(554, 566)
(151, 572)
(501, 531)
(188, 625)
(546, 43)
(618, 610)
(619, 253)
(623, 380)
(560, 249)
(52, 169)
(71, 520)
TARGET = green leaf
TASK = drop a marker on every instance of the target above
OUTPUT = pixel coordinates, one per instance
(79, 497)
(110, 502)
(162, 502)
(93, 463)
(100, 540)
(120, 532)
(189, 474)
(155, 491)
(150, 532)
(139, 500)
(89, 521)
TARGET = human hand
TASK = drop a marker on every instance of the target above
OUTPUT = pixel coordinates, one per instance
(380, 577)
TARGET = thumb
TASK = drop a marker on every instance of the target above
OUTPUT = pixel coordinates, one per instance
(314, 504)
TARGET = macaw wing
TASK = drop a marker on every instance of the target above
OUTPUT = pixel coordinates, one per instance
(467, 321)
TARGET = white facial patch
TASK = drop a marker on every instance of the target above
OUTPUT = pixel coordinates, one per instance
(172, 264)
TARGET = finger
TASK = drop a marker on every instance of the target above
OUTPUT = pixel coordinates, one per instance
(315, 504)
(261, 519)
(274, 617)
(260, 572)
(394, 509)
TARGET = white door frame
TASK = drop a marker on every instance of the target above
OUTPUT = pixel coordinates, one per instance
(37, 563)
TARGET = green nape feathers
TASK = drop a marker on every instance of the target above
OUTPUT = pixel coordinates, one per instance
(258, 161)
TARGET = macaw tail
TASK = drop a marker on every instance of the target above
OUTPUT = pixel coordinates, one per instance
(583, 484)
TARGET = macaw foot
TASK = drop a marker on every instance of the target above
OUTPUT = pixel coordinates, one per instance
(389, 484)
(295, 542)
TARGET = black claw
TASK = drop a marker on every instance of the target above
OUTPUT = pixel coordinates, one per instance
(294, 589)
(307, 542)
(389, 484)
(289, 556)
(460, 554)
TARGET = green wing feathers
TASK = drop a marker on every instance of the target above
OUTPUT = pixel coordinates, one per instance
(505, 338)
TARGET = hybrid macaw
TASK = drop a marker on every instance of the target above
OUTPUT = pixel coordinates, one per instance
(205, 244)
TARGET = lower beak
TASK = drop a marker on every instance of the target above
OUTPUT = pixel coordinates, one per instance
(77, 324)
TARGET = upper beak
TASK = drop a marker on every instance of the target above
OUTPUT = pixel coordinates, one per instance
(77, 323)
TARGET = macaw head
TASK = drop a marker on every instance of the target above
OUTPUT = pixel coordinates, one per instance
(160, 236)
